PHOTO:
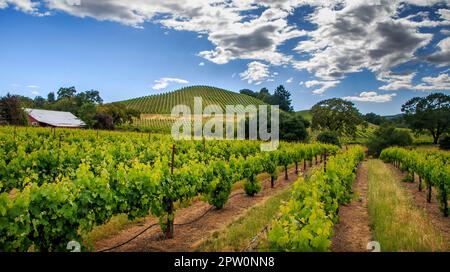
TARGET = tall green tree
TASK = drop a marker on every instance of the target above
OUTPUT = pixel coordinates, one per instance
(336, 115)
(293, 127)
(51, 97)
(430, 113)
(282, 98)
(11, 111)
(66, 92)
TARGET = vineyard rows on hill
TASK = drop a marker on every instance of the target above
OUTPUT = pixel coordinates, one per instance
(163, 103)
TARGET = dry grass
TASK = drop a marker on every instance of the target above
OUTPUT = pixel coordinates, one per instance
(398, 225)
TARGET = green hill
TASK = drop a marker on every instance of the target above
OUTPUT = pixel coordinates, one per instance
(163, 103)
(306, 114)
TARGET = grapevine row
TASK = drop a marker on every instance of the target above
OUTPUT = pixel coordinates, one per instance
(306, 220)
(432, 167)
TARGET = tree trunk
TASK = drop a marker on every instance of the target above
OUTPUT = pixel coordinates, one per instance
(444, 202)
(169, 223)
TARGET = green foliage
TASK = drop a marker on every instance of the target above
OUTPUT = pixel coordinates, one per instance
(306, 221)
(374, 118)
(329, 137)
(252, 167)
(444, 143)
(386, 136)
(281, 97)
(431, 113)
(336, 115)
(432, 166)
(57, 185)
(163, 103)
(293, 127)
(11, 111)
(219, 182)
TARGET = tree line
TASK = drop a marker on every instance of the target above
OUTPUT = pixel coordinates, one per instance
(87, 105)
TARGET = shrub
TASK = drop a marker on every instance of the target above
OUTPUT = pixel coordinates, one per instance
(386, 136)
(329, 137)
(444, 143)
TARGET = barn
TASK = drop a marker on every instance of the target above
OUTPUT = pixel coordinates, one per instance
(47, 118)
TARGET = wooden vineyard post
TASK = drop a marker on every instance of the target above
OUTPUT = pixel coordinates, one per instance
(173, 159)
(272, 181)
(170, 216)
(429, 192)
(304, 165)
(325, 162)
(444, 200)
(296, 167)
(286, 177)
(317, 160)
(420, 183)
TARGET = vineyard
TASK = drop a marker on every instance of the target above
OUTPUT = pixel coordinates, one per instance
(431, 167)
(163, 103)
(58, 184)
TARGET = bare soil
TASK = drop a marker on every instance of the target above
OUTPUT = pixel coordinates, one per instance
(419, 198)
(352, 232)
(189, 235)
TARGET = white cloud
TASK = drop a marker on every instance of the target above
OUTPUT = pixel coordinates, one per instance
(35, 92)
(439, 83)
(442, 56)
(256, 72)
(201, 64)
(165, 81)
(22, 5)
(363, 35)
(371, 97)
(290, 80)
(396, 81)
(444, 14)
(33, 87)
(325, 85)
(351, 35)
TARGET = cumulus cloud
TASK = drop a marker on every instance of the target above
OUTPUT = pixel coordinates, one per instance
(201, 64)
(165, 81)
(256, 72)
(22, 5)
(438, 83)
(364, 36)
(396, 81)
(442, 56)
(324, 85)
(350, 36)
(289, 80)
(371, 97)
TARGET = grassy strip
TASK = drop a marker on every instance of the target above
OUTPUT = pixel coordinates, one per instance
(398, 225)
(237, 235)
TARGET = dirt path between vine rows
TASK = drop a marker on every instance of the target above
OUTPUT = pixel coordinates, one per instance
(419, 198)
(352, 232)
(190, 235)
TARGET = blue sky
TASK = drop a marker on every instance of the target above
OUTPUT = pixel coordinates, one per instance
(376, 55)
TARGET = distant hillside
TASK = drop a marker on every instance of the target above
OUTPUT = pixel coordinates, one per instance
(306, 114)
(163, 103)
